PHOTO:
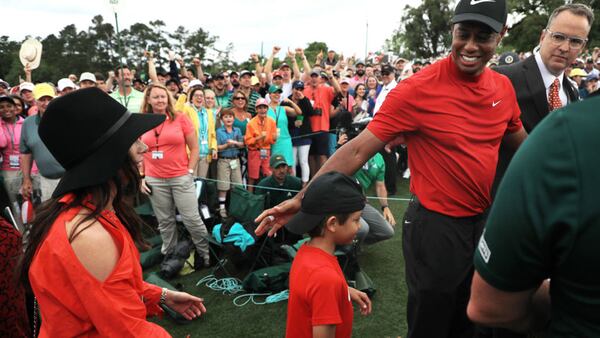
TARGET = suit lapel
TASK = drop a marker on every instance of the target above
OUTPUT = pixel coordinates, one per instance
(572, 93)
(535, 83)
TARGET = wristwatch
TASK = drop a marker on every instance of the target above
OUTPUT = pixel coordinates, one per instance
(383, 207)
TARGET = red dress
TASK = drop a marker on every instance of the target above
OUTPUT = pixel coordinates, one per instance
(74, 303)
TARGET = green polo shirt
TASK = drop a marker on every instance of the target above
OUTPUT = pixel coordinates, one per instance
(276, 196)
(545, 220)
(373, 170)
(31, 143)
(133, 101)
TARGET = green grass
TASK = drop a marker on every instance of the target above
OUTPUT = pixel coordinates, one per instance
(382, 261)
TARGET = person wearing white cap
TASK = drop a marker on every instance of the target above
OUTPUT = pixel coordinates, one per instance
(32, 148)
(87, 80)
(65, 86)
(4, 86)
(26, 92)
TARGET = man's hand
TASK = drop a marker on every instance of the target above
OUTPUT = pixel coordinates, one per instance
(343, 139)
(26, 188)
(275, 218)
(291, 54)
(276, 50)
(27, 69)
(196, 62)
(329, 70)
(362, 300)
(298, 123)
(188, 306)
(395, 142)
(254, 57)
(387, 214)
(320, 55)
(300, 52)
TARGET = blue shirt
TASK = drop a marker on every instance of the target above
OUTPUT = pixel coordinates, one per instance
(223, 136)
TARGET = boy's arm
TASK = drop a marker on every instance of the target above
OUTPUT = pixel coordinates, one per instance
(323, 331)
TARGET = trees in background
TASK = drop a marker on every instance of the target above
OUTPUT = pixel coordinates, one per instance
(425, 30)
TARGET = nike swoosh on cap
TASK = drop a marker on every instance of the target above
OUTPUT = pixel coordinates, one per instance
(477, 2)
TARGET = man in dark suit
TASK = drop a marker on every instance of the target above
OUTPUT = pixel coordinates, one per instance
(540, 81)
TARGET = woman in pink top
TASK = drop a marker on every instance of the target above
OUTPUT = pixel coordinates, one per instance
(168, 172)
(82, 261)
(10, 136)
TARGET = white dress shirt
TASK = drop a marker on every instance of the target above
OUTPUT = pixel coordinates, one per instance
(548, 79)
(383, 94)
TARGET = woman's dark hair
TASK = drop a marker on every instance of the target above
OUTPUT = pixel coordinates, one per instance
(17, 97)
(318, 230)
(126, 182)
(194, 90)
(364, 97)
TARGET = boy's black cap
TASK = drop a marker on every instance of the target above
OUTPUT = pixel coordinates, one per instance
(490, 12)
(330, 193)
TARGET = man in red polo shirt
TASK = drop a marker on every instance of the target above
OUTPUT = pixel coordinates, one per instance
(453, 139)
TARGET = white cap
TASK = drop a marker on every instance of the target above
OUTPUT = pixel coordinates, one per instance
(87, 76)
(65, 83)
(194, 83)
(26, 86)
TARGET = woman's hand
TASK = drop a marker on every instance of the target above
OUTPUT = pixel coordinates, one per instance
(144, 188)
(188, 306)
(362, 300)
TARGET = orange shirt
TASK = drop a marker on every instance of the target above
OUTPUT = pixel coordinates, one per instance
(254, 130)
(73, 303)
(321, 98)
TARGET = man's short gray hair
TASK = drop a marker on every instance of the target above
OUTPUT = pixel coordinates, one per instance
(576, 9)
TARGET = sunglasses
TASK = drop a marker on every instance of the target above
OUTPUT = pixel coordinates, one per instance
(239, 98)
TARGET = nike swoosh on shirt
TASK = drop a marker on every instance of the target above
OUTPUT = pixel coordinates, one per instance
(496, 103)
(477, 2)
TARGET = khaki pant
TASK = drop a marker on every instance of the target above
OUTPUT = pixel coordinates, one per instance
(226, 175)
(48, 185)
(177, 192)
(202, 167)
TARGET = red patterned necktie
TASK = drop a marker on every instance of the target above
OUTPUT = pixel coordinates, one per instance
(553, 98)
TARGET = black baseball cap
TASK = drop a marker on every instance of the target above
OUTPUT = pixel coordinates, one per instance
(330, 193)
(489, 12)
(298, 84)
(387, 69)
(508, 58)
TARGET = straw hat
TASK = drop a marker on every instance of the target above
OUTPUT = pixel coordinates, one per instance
(31, 53)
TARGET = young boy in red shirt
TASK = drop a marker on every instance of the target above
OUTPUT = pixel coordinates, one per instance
(320, 299)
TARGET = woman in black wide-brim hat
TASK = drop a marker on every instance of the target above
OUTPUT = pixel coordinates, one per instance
(82, 262)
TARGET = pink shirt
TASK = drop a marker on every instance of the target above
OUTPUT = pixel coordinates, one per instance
(10, 136)
(167, 153)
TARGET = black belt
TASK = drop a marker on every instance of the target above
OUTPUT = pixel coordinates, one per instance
(228, 157)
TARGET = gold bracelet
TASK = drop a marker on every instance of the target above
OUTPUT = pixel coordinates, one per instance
(163, 296)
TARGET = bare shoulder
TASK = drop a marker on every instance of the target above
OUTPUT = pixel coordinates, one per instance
(94, 246)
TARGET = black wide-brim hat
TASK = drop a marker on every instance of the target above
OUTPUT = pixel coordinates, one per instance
(89, 133)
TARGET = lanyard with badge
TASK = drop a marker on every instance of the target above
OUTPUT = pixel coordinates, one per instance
(13, 159)
(158, 154)
(279, 108)
(203, 119)
(264, 153)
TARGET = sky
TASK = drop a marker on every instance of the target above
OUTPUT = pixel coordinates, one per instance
(342, 24)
